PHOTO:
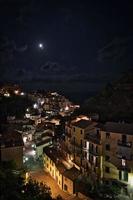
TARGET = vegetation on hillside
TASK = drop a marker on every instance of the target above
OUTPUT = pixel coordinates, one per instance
(14, 106)
(13, 186)
(114, 102)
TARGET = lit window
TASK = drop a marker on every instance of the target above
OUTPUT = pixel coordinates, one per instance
(123, 162)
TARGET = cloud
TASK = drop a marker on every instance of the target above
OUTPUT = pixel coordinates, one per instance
(57, 69)
(21, 49)
(115, 50)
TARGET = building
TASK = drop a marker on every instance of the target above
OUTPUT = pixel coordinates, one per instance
(102, 152)
(60, 169)
(70, 177)
(40, 145)
(76, 142)
(117, 142)
(11, 147)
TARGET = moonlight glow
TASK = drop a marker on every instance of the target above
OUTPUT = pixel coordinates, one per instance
(40, 45)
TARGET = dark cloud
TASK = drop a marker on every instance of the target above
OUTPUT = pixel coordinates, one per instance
(21, 48)
(115, 50)
(57, 68)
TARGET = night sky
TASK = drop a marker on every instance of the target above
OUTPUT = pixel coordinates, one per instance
(85, 43)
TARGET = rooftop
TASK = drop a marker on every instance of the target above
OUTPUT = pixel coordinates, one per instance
(10, 138)
(45, 140)
(61, 167)
(72, 173)
(53, 154)
(115, 127)
(83, 123)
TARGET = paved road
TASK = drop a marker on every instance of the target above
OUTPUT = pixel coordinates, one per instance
(42, 176)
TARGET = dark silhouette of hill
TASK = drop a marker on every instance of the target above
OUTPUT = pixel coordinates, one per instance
(115, 102)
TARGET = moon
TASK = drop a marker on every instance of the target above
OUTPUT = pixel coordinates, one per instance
(41, 46)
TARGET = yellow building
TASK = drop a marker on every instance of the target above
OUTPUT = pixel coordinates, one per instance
(94, 155)
(102, 152)
(76, 141)
(64, 174)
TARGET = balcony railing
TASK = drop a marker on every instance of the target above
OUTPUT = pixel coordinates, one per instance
(93, 138)
(123, 156)
(124, 143)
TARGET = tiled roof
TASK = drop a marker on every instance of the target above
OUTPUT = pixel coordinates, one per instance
(124, 128)
(53, 154)
(72, 173)
(11, 138)
(82, 123)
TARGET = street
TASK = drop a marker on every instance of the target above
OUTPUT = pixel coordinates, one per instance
(42, 176)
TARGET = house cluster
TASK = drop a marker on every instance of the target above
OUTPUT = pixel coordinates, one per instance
(20, 139)
(53, 103)
(101, 152)
(11, 90)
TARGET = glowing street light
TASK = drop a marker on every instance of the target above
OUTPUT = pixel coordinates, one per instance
(22, 94)
(35, 106)
(16, 92)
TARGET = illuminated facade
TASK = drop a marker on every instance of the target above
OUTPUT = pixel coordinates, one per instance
(117, 141)
(61, 170)
(102, 152)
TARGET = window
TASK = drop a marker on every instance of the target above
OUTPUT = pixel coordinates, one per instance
(123, 175)
(124, 138)
(107, 147)
(97, 131)
(92, 147)
(65, 187)
(123, 162)
(85, 144)
(107, 135)
(96, 161)
(107, 169)
(81, 143)
(107, 158)
(81, 131)
(96, 149)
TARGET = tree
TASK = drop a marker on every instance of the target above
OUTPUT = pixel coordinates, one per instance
(107, 192)
(13, 186)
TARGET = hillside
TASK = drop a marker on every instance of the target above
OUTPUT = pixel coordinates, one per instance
(115, 102)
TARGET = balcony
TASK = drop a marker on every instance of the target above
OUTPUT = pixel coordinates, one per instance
(124, 168)
(124, 143)
(93, 138)
(125, 156)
